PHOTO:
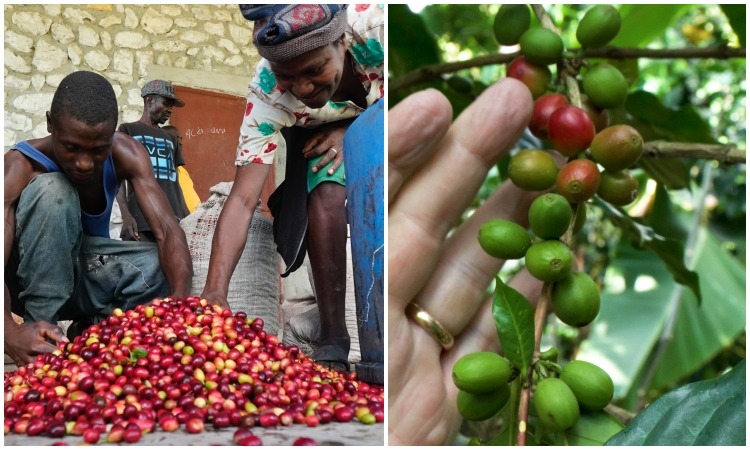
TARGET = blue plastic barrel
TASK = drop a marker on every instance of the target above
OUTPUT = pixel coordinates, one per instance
(363, 162)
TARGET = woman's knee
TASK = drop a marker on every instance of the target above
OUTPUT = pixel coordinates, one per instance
(328, 194)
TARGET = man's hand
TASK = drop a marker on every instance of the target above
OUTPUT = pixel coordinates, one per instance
(23, 342)
(330, 143)
(129, 230)
(435, 169)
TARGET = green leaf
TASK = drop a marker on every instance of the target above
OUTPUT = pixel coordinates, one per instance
(671, 172)
(468, 26)
(637, 302)
(673, 254)
(138, 353)
(711, 412)
(410, 45)
(514, 319)
(643, 23)
(663, 217)
(704, 330)
(670, 251)
(592, 428)
(737, 19)
(676, 125)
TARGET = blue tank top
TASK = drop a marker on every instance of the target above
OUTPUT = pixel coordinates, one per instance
(93, 225)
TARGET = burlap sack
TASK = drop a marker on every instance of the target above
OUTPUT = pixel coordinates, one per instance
(254, 286)
(302, 319)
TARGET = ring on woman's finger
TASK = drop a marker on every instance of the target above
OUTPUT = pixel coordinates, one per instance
(335, 152)
(432, 326)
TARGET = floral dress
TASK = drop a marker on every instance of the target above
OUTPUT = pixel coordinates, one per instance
(269, 108)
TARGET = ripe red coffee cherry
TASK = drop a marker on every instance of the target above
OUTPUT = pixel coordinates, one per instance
(578, 180)
(570, 130)
(535, 77)
(544, 106)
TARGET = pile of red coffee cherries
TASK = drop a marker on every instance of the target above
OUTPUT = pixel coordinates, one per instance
(179, 363)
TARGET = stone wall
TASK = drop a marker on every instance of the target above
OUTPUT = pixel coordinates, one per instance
(201, 46)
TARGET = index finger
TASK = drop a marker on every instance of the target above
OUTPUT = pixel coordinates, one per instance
(437, 193)
(53, 332)
(313, 142)
(415, 126)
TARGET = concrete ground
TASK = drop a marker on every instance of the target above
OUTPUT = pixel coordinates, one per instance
(352, 433)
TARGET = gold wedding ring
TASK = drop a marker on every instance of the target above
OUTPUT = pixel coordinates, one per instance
(432, 326)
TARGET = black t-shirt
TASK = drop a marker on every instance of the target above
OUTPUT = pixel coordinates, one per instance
(166, 156)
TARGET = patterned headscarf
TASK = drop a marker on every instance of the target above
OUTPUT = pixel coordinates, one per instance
(283, 32)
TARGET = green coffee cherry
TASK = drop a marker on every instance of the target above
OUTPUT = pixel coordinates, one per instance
(460, 84)
(533, 170)
(541, 46)
(592, 386)
(575, 299)
(482, 406)
(618, 188)
(556, 405)
(550, 216)
(549, 260)
(510, 23)
(550, 354)
(605, 86)
(504, 239)
(599, 26)
(481, 372)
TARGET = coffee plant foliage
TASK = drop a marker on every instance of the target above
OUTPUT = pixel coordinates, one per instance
(671, 265)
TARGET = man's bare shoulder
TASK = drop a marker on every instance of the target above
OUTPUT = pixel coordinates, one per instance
(122, 142)
(128, 155)
(19, 170)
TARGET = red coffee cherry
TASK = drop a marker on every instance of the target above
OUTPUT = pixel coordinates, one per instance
(535, 77)
(544, 106)
(570, 130)
(578, 180)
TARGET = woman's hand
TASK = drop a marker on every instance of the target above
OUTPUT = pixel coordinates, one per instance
(435, 169)
(329, 143)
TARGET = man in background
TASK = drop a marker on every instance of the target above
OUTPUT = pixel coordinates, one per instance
(166, 156)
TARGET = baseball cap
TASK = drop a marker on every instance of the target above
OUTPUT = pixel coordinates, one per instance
(163, 88)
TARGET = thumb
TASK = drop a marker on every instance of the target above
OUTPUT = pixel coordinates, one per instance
(54, 333)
